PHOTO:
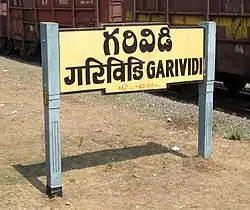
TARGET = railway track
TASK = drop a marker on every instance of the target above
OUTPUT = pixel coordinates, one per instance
(231, 103)
(234, 103)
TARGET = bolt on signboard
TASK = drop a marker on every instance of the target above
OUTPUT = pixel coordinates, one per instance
(123, 58)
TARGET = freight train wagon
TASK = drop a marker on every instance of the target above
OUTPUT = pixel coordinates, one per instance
(233, 31)
(233, 34)
(19, 25)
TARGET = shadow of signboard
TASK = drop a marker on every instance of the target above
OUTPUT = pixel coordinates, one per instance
(32, 172)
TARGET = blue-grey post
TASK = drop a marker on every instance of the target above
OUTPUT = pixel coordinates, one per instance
(206, 90)
(51, 91)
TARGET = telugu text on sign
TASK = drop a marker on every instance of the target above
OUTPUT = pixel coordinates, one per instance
(125, 58)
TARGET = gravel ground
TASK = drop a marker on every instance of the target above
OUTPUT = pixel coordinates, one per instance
(167, 109)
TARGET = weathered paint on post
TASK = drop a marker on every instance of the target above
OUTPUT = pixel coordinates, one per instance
(206, 90)
(51, 91)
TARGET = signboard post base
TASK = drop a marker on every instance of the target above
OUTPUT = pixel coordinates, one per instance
(206, 90)
(51, 93)
(52, 192)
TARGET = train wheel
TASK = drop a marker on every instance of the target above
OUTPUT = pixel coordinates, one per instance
(22, 51)
(234, 84)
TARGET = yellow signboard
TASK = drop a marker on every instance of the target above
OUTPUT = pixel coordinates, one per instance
(125, 58)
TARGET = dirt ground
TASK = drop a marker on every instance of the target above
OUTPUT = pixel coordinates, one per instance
(113, 157)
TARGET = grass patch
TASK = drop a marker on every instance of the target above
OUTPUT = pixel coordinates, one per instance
(235, 134)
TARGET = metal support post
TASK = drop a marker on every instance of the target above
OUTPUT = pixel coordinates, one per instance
(206, 90)
(51, 92)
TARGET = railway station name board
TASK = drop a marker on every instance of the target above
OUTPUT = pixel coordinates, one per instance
(126, 58)
(123, 58)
